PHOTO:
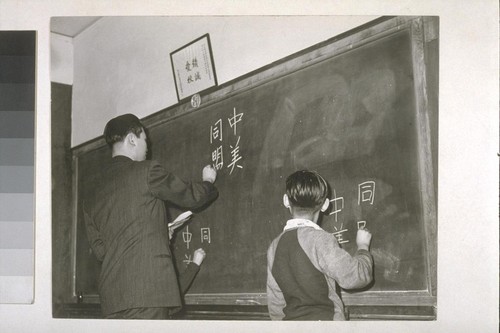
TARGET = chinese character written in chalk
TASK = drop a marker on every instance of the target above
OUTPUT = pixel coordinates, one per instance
(337, 204)
(217, 158)
(361, 224)
(186, 236)
(339, 234)
(216, 131)
(235, 154)
(366, 192)
(188, 259)
(205, 235)
(234, 119)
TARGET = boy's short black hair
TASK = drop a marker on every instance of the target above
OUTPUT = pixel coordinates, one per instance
(306, 190)
(117, 128)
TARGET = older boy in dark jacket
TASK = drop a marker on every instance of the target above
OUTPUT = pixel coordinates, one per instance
(127, 228)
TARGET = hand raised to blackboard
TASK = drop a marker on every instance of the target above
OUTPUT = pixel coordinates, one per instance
(209, 174)
(363, 239)
(199, 256)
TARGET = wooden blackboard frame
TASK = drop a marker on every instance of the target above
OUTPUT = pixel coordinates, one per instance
(371, 32)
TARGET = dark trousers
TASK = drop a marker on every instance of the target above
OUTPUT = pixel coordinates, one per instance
(141, 313)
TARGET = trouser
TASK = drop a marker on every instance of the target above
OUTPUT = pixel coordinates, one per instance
(141, 313)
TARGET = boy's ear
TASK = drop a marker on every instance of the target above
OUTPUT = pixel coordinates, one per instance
(325, 205)
(132, 139)
(286, 202)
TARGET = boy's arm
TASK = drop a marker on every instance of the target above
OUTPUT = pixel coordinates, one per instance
(350, 272)
(275, 299)
(355, 272)
(187, 277)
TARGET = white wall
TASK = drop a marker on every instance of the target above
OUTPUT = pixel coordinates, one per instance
(122, 64)
(61, 59)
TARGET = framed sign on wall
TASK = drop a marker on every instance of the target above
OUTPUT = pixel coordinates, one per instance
(193, 68)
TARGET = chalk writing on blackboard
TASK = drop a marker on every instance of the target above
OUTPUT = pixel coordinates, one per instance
(217, 158)
(235, 150)
(235, 119)
(339, 234)
(187, 259)
(216, 135)
(361, 224)
(205, 235)
(334, 202)
(216, 131)
(186, 237)
(366, 192)
(235, 154)
(216, 138)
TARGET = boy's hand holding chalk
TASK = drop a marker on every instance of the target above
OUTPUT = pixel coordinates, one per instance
(199, 256)
(209, 174)
(363, 238)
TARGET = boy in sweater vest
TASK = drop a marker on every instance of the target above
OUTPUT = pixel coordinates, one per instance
(305, 263)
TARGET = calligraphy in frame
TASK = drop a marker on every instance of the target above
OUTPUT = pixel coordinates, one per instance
(193, 67)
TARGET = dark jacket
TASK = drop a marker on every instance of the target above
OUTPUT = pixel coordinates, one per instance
(126, 224)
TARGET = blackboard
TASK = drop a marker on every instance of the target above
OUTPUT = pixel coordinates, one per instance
(354, 109)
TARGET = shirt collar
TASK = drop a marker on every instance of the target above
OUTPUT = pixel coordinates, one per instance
(299, 223)
(121, 158)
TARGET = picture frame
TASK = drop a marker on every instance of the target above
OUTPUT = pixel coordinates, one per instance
(193, 68)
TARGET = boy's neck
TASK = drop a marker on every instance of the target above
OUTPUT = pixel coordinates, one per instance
(307, 216)
(119, 149)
